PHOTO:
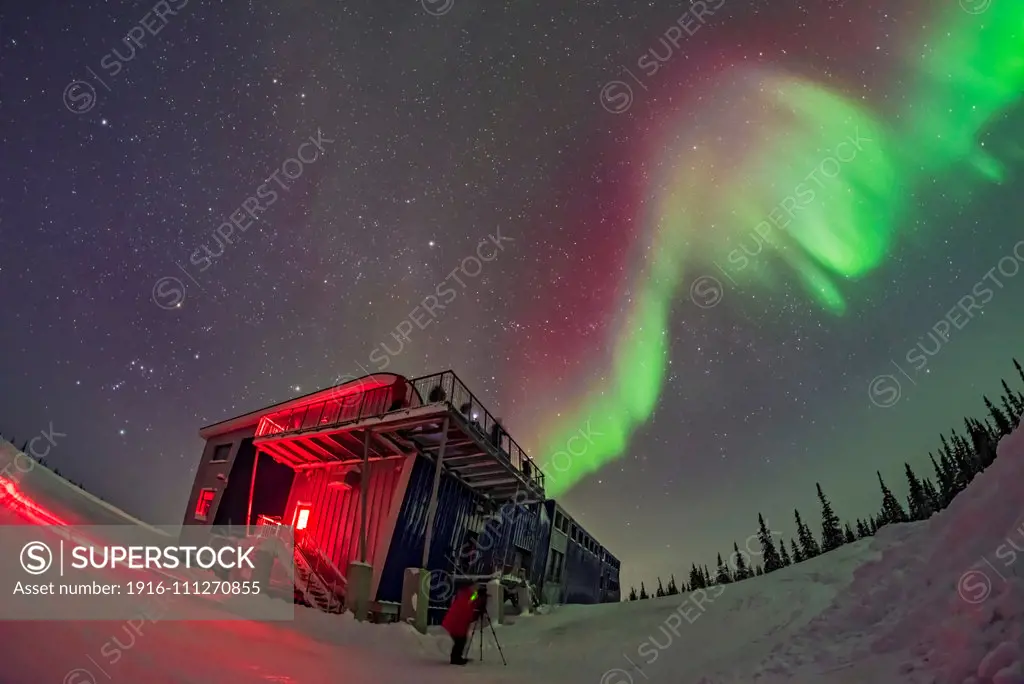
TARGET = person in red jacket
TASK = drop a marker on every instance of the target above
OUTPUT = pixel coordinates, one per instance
(466, 605)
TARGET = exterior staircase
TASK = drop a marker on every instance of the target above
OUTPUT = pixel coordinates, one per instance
(317, 583)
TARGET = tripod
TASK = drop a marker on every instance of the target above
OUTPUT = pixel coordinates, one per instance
(478, 628)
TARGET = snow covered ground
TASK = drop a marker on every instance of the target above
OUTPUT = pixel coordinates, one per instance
(931, 602)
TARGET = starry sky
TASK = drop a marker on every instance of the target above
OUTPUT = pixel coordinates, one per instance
(132, 132)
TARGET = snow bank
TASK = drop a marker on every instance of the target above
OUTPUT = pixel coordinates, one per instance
(946, 596)
(67, 501)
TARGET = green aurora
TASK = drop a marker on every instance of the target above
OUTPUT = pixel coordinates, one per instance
(964, 73)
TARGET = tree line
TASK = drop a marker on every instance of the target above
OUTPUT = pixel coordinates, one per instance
(955, 464)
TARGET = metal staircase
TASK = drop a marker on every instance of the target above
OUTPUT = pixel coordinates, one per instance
(317, 583)
(320, 583)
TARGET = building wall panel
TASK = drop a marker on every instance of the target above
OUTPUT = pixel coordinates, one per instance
(213, 474)
(336, 511)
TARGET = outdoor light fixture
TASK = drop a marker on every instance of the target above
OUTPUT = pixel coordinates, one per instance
(301, 519)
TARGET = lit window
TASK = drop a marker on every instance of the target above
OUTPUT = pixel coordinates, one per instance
(301, 517)
(204, 502)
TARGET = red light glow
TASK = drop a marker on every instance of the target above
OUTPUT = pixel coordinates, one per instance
(301, 517)
(29, 509)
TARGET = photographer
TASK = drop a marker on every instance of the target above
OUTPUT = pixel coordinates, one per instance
(468, 603)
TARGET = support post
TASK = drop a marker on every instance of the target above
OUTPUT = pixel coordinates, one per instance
(364, 489)
(432, 508)
(252, 491)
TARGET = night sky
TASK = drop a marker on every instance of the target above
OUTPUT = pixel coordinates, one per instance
(616, 195)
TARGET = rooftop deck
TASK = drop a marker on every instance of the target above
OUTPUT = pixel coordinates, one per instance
(380, 420)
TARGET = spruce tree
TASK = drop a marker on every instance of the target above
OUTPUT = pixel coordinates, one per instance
(983, 451)
(632, 594)
(798, 555)
(786, 562)
(723, 576)
(643, 592)
(758, 571)
(770, 556)
(24, 447)
(862, 529)
(709, 581)
(934, 500)
(874, 526)
(848, 533)
(660, 592)
(808, 545)
(954, 472)
(740, 569)
(1020, 371)
(962, 464)
(1002, 423)
(1012, 404)
(892, 511)
(919, 505)
(831, 532)
(672, 588)
(695, 578)
(946, 482)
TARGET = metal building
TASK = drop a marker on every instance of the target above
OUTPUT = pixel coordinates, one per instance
(390, 473)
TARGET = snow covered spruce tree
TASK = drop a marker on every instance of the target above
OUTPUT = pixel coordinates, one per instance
(643, 592)
(770, 557)
(849, 536)
(784, 555)
(723, 576)
(892, 511)
(808, 544)
(696, 578)
(672, 588)
(798, 555)
(831, 531)
(660, 592)
(862, 530)
(632, 594)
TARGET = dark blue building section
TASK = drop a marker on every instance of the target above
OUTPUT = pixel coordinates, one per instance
(579, 569)
(468, 538)
(582, 575)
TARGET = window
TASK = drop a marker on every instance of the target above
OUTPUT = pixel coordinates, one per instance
(221, 453)
(575, 533)
(204, 502)
(555, 568)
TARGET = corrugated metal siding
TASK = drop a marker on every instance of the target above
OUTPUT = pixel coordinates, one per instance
(582, 575)
(336, 512)
(457, 513)
(542, 546)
